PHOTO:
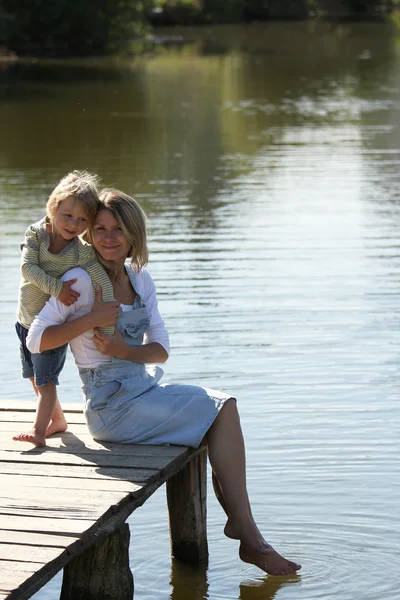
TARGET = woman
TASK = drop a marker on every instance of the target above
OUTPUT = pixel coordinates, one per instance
(123, 400)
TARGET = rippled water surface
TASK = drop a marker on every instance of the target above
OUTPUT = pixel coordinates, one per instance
(268, 161)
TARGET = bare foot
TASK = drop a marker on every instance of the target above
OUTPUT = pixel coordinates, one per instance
(32, 437)
(56, 426)
(248, 534)
(271, 562)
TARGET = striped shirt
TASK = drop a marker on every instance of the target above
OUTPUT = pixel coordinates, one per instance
(41, 270)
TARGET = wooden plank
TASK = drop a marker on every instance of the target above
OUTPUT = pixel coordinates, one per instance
(79, 472)
(14, 574)
(24, 579)
(73, 442)
(47, 525)
(85, 458)
(30, 405)
(54, 504)
(20, 425)
(35, 539)
(24, 553)
(28, 416)
(78, 439)
(32, 485)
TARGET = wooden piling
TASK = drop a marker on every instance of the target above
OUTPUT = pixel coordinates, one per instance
(186, 495)
(102, 571)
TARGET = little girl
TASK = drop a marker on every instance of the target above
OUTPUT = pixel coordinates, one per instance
(51, 247)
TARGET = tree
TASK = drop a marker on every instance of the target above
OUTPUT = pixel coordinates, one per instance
(69, 27)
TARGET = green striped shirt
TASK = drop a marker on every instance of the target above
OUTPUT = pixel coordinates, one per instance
(41, 270)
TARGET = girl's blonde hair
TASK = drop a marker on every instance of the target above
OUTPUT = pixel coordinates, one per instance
(132, 220)
(79, 185)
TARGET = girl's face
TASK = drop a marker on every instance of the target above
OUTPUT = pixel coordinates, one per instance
(70, 219)
(108, 237)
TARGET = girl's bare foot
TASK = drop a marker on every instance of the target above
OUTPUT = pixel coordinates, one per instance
(271, 562)
(56, 426)
(33, 437)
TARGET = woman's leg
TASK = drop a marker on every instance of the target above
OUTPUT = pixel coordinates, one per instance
(227, 457)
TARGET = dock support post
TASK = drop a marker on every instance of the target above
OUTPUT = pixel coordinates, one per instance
(102, 571)
(187, 505)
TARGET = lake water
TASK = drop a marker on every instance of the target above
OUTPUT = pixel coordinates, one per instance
(267, 158)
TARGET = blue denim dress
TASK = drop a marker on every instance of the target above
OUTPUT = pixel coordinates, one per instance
(125, 403)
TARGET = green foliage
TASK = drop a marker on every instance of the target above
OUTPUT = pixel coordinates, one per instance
(361, 6)
(68, 27)
(84, 27)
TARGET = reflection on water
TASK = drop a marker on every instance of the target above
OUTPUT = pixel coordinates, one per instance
(267, 159)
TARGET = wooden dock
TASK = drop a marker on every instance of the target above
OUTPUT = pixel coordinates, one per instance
(65, 507)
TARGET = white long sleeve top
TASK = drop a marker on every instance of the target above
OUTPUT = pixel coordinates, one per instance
(84, 350)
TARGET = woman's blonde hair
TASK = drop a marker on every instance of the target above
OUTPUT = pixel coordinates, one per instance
(79, 185)
(132, 220)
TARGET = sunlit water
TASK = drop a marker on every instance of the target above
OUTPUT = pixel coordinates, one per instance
(268, 161)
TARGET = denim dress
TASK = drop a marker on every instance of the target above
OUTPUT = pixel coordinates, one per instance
(125, 403)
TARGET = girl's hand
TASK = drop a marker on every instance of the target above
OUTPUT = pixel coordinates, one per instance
(104, 314)
(110, 345)
(67, 295)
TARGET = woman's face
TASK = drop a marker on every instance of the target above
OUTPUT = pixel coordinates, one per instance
(108, 238)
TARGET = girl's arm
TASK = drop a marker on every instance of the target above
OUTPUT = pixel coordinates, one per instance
(56, 324)
(32, 272)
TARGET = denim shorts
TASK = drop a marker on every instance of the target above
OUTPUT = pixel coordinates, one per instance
(44, 367)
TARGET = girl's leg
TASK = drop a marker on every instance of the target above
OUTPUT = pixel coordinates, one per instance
(227, 457)
(58, 422)
(49, 416)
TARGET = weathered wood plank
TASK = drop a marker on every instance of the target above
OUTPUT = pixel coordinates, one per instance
(10, 428)
(36, 539)
(69, 442)
(24, 579)
(34, 554)
(59, 504)
(87, 457)
(30, 405)
(34, 485)
(78, 472)
(24, 417)
(14, 573)
(46, 524)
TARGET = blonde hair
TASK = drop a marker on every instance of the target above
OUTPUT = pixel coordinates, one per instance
(132, 220)
(79, 185)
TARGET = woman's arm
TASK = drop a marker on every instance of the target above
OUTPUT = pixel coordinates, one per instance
(155, 348)
(56, 324)
(117, 347)
(157, 331)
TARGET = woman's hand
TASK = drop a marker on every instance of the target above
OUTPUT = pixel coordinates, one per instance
(110, 345)
(104, 314)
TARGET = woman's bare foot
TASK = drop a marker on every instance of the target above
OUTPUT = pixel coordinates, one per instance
(33, 437)
(271, 562)
(56, 426)
(248, 533)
